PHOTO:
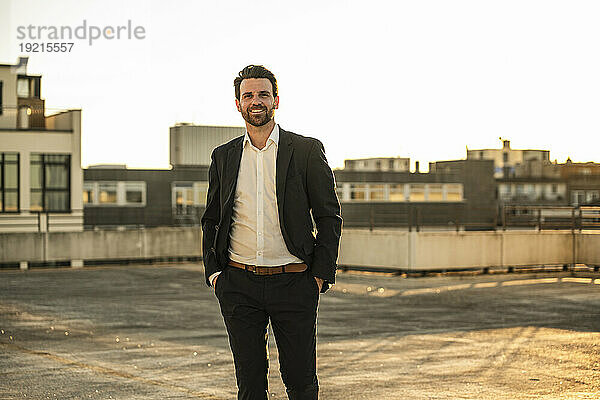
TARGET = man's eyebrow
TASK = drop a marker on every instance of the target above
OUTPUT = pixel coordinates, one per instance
(259, 92)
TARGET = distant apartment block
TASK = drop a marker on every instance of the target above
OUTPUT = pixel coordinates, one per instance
(507, 160)
(444, 197)
(40, 158)
(118, 197)
(396, 164)
(583, 182)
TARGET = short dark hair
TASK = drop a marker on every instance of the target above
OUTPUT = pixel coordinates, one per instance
(251, 72)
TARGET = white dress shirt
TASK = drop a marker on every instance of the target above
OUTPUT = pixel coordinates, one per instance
(255, 234)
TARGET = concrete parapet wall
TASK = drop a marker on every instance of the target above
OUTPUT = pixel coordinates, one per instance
(393, 249)
(588, 248)
(447, 250)
(535, 248)
(457, 250)
(383, 249)
(100, 245)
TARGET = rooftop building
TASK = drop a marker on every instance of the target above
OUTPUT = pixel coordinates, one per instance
(40, 156)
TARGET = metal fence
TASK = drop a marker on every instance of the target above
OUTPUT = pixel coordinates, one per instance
(550, 217)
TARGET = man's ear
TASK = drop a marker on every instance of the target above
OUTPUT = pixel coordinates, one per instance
(276, 103)
(237, 105)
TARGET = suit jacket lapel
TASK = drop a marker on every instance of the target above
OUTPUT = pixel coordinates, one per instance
(284, 155)
(232, 168)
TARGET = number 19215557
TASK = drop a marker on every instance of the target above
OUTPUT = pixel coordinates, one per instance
(54, 47)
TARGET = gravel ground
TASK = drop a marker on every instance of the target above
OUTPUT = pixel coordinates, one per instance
(155, 332)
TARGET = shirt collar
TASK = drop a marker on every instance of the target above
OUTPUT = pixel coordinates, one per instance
(273, 137)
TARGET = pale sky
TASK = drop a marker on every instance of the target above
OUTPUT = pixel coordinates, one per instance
(419, 79)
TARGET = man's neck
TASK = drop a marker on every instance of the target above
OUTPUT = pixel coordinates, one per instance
(260, 134)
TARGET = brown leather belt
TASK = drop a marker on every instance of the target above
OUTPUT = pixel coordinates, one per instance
(270, 270)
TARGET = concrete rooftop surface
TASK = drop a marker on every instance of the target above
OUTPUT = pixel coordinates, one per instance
(155, 332)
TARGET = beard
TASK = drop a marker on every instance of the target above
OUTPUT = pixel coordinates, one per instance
(260, 119)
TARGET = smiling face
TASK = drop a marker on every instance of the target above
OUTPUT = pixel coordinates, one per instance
(256, 103)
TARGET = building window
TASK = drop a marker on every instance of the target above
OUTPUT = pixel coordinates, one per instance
(417, 192)
(391, 164)
(358, 191)
(23, 87)
(435, 193)
(134, 192)
(577, 197)
(397, 192)
(520, 189)
(187, 197)
(114, 193)
(107, 192)
(591, 196)
(505, 157)
(88, 193)
(377, 192)
(50, 182)
(454, 192)
(9, 182)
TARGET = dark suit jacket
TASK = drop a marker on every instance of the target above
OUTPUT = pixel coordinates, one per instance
(304, 183)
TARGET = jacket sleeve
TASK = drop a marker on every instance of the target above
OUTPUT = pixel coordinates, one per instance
(325, 208)
(210, 221)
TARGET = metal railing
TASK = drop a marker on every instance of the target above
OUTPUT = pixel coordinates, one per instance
(417, 218)
(551, 217)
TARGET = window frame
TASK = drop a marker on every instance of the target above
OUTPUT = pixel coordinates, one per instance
(3, 188)
(120, 193)
(44, 162)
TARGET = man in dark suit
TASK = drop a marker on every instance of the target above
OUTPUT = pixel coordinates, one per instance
(263, 254)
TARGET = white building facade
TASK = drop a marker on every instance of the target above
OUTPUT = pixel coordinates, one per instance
(40, 158)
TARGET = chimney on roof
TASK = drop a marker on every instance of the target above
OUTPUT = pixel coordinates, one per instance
(506, 144)
(416, 167)
(21, 66)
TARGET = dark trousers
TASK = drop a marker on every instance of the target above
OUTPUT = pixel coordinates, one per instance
(289, 301)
